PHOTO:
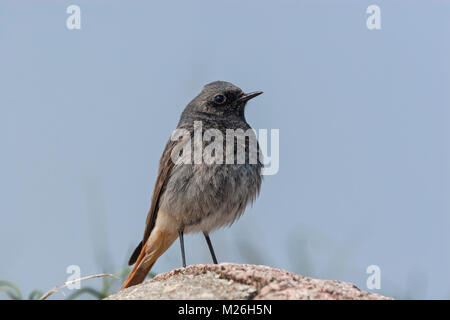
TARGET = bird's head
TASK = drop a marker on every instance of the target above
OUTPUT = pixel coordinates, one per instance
(220, 98)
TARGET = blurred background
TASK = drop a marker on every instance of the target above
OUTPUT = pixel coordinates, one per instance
(364, 135)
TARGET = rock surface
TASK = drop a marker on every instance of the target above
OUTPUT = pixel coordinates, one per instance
(239, 281)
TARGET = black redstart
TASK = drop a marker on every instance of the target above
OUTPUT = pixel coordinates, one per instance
(193, 193)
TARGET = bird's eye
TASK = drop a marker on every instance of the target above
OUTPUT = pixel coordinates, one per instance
(220, 99)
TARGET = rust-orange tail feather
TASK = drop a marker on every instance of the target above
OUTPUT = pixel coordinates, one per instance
(158, 242)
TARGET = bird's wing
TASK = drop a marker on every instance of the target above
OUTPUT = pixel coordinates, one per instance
(165, 167)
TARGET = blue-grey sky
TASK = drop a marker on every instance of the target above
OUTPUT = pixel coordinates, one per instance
(363, 119)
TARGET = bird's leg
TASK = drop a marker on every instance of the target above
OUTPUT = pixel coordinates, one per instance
(211, 249)
(180, 233)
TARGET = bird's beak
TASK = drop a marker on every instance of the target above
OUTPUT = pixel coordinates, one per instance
(247, 96)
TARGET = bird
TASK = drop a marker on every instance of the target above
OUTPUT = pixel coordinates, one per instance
(192, 196)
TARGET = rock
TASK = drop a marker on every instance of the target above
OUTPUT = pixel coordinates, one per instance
(240, 281)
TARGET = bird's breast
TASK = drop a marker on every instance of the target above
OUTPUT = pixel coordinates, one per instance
(205, 197)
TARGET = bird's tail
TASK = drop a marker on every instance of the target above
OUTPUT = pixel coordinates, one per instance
(158, 242)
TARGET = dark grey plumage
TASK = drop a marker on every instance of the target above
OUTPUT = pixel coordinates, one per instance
(192, 196)
(203, 197)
